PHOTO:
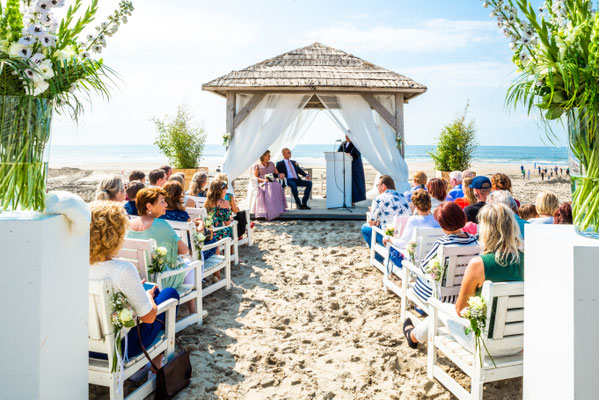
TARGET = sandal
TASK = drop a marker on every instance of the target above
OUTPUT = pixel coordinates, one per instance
(408, 331)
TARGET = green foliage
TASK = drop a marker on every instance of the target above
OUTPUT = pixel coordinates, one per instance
(179, 140)
(455, 145)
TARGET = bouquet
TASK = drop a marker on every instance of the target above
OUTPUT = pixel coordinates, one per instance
(158, 263)
(411, 250)
(122, 316)
(389, 230)
(436, 269)
(269, 177)
(476, 313)
(198, 241)
(227, 139)
(209, 222)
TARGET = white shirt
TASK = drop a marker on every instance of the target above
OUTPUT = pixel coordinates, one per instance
(290, 168)
(541, 220)
(124, 278)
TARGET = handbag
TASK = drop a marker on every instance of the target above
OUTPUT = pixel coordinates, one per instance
(174, 376)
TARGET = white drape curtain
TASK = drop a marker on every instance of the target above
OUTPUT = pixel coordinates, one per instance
(372, 135)
(294, 133)
(260, 129)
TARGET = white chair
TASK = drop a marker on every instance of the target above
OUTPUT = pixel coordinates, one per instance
(102, 340)
(185, 230)
(198, 200)
(139, 251)
(456, 259)
(424, 239)
(203, 214)
(234, 241)
(399, 223)
(199, 212)
(248, 239)
(504, 334)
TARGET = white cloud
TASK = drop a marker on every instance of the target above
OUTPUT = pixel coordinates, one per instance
(437, 35)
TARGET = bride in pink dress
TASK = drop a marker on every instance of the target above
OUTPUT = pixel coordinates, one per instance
(270, 199)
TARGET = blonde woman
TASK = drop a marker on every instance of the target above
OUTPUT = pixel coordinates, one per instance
(198, 185)
(112, 189)
(500, 261)
(547, 205)
(107, 234)
(468, 198)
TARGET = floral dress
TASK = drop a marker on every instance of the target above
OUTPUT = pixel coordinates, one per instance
(219, 217)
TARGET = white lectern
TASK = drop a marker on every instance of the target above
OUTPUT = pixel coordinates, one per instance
(336, 163)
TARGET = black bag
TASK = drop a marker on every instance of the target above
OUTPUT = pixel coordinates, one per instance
(174, 376)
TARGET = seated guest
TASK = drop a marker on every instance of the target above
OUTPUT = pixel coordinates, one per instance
(468, 198)
(505, 197)
(240, 217)
(137, 176)
(502, 182)
(219, 210)
(388, 204)
(455, 180)
(437, 188)
(111, 189)
(157, 178)
(563, 215)
(199, 184)
(290, 170)
(168, 171)
(107, 233)
(500, 261)
(180, 177)
(528, 211)
(547, 205)
(270, 196)
(132, 190)
(482, 189)
(175, 211)
(468, 174)
(418, 182)
(151, 205)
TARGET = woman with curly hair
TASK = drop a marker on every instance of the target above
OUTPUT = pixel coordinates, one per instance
(107, 234)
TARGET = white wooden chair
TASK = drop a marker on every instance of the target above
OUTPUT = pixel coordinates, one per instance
(102, 340)
(139, 251)
(198, 200)
(198, 212)
(424, 239)
(456, 259)
(248, 239)
(203, 213)
(234, 241)
(504, 334)
(399, 223)
(213, 264)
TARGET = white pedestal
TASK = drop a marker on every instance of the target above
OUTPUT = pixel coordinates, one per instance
(44, 301)
(335, 162)
(561, 314)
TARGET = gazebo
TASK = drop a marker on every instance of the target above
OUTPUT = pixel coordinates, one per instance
(270, 105)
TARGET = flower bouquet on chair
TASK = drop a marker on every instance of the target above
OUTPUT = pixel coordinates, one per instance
(45, 65)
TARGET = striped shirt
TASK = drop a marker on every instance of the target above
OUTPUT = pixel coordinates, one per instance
(422, 288)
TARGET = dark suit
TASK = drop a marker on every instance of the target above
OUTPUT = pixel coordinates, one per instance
(294, 183)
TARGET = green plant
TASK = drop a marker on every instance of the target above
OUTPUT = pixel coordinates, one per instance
(455, 145)
(179, 140)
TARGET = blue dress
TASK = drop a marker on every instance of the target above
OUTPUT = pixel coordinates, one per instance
(176, 215)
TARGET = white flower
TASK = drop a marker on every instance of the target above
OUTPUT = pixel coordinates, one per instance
(19, 50)
(514, 11)
(126, 315)
(124, 19)
(506, 32)
(525, 41)
(47, 18)
(104, 25)
(485, 5)
(48, 40)
(27, 40)
(162, 251)
(524, 56)
(39, 87)
(43, 6)
(56, 3)
(97, 48)
(513, 45)
(36, 30)
(89, 38)
(492, 14)
(37, 58)
(85, 55)
(46, 69)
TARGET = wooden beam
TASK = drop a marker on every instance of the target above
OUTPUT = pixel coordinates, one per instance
(399, 118)
(379, 108)
(231, 99)
(247, 109)
(409, 93)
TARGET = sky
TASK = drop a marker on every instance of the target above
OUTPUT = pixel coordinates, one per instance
(170, 48)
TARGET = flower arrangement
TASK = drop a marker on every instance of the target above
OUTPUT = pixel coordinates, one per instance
(198, 241)
(45, 65)
(411, 249)
(389, 230)
(122, 316)
(556, 52)
(436, 269)
(269, 177)
(158, 262)
(209, 222)
(227, 139)
(476, 313)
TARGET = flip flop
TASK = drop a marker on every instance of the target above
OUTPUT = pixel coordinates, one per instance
(407, 332)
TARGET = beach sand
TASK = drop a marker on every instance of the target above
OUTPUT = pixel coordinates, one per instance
(307, 316)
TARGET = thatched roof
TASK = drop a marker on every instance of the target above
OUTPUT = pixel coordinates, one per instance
(315, 68)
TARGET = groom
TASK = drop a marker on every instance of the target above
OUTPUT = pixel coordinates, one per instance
(291, 170)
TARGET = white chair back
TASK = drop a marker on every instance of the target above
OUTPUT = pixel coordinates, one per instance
(506, 300)
(101, 337)
(399, 224)
(198, 200)
(197, 212)
(456, 260)
(425, 238)
(135, 251)
(186, 230)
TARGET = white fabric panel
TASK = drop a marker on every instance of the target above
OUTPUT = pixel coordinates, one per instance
(294, 133)
(259, 130)
(375, 138)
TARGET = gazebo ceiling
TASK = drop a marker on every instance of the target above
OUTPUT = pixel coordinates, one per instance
(315, 68)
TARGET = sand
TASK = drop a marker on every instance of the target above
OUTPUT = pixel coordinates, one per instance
(307, 316)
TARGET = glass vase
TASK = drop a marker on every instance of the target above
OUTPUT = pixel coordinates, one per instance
(584, 170)
(24, 152)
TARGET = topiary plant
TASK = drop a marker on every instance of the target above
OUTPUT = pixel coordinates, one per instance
(181, 142)
(455, 145)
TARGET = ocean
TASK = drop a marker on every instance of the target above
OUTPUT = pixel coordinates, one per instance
(305, 153)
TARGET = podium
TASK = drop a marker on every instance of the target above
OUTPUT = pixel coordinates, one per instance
(335, 163)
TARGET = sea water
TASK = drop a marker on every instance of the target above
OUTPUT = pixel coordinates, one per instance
(307, 154)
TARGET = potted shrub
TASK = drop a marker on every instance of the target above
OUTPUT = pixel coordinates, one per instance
(455, 145)
(181, 141)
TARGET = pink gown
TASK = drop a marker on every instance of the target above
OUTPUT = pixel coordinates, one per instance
(270, 198)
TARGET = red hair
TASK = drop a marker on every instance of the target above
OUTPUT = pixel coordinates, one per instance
(450, 216)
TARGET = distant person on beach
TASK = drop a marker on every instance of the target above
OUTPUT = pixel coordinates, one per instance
(563, 215)
(112, 189)
(137, 175)
(168, 171)
(547, 205)
(418, 182)
(455, 180)
(289, 169)
(528, 211)
(561, 171)
(528, 175)
(388, 204)
(157, 178)
(539, 170)
(542, 175)
(568, 171)
(482, 189)
(523, 174)
(358, 181)
(132, 190)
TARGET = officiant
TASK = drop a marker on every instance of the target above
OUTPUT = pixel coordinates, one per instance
(357, 170)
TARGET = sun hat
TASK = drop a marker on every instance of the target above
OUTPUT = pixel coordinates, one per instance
(481, 182)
